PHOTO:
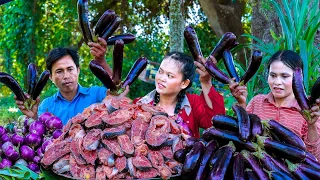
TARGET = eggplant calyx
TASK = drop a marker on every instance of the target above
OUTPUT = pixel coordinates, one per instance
(292, 167)
(29, 103)
(307, 115)
(118, 90)
(260, 140)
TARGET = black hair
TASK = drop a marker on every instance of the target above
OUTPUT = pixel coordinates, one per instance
(287, 57)
(57, 53)
(188, 71)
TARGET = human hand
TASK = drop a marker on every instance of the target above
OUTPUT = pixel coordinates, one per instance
(31, 113)
(205, 77)
(240, 93)
(98, 50)
(314, 112)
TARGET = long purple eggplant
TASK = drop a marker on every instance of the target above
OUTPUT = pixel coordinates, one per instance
(42, 81)
(256, 125)
(193, 160)
(311, 156)
(284, 133)
(271, 164)
(117, 62)
(243, 122)
(228, 62)
(11, 83)
(204, 164)
(253, 67)
(102, 75)
(249, 174)
(31, 78)
(283, 150)
(84, 22)
(303, 171)
(108, 31)
(213, 133)
(190, 142)
(104, 21)
(219, 168)
(311, 162)
(126, 38)
(135, 71)
(238, 167)
(300, 93)
(256, 167)
(225, 122)
(192, 41)
(180, 155)
(276, 175)
(227, 41)
(215, 72)
(315, 92)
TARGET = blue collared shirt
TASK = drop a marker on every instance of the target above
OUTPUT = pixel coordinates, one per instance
(65, 109)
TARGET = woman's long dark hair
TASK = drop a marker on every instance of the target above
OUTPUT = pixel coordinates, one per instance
(287, 57)
(188, 71)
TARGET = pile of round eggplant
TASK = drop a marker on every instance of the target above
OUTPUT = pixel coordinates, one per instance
(24, 142)
(246, 147)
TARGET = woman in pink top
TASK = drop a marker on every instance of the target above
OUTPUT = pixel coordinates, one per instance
(280, 104)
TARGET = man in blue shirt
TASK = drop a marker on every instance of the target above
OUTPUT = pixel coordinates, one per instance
(72, 98)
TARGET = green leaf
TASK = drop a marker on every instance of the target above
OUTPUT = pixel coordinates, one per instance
(33, 175)
(289, 23)
(49, 175)
(273, 35)
(285, 30)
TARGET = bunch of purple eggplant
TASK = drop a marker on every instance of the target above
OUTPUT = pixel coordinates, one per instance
(222, 50)
(114, 83)
(24, 141)
(34, 86)
(104, 28)
(299, 92)
(246, 147)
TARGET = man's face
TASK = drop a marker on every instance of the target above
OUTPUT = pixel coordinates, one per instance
(65, 75)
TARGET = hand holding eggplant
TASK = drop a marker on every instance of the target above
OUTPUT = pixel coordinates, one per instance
(30, 112)
(205, 77)
(315, 112)
(34, 86)
(309, 106)
(239, 92)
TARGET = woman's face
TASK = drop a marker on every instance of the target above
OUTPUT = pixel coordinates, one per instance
(280, 80)
(168, 79)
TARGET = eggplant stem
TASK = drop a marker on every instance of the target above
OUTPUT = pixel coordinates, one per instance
(307, 115)
(29, 103)
(118, 90)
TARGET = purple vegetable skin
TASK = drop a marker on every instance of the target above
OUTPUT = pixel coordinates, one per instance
(27, 152)
(10, 151)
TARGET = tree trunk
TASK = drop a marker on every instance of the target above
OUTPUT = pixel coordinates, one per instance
(225, 16)
(176, 25)
(262, 21)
